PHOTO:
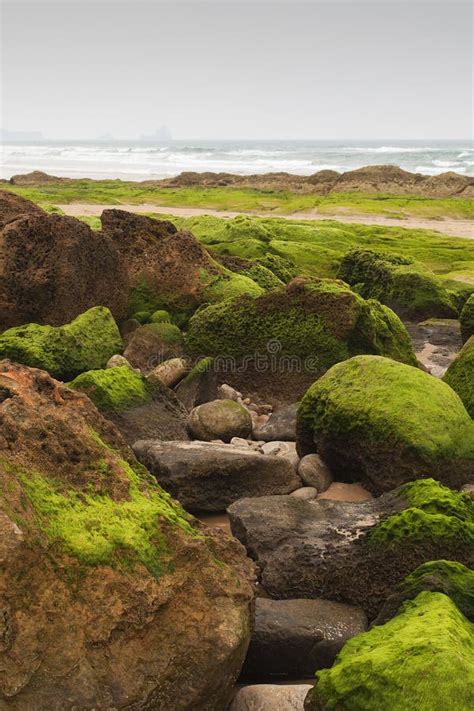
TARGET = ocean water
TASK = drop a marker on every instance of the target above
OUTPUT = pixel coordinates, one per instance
(146, 161)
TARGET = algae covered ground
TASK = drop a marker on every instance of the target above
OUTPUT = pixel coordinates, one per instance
(315, 246)
(283, 202)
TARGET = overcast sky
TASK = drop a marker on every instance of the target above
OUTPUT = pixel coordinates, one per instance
(236, 69)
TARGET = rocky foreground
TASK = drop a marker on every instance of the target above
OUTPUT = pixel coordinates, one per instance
(148, 385)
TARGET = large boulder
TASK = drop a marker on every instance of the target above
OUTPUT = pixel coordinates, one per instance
(408, 288)
(466, 319)
(460, 376)
(422, 659)
(205, 476)
(220, 419)
(294, 638)
(293, 334)
(65, 351)
(384, 423)
(53, 268)
(152, 344)
(355, 553)
(168, 268)
(138, 407)
(111, 595)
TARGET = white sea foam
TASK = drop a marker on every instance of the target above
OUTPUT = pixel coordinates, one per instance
(140, 161)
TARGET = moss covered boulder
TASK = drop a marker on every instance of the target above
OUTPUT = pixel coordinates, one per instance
(65, 351)
(356, 553)
(460, 375)
(169, 269)
(138, 407)
(255, 270)
(408, 288)
(100, 568)
(422, 659)
(453, 579)
(374, 420)
(297, 331)
(466, 319)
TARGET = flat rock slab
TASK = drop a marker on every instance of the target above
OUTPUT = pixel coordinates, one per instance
(270, 697)
(295, 638)
(209, 477)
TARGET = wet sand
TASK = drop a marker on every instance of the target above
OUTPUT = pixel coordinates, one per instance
(451, 227)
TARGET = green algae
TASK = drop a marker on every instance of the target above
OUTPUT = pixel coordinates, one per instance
(98, 530)
(114, 390)
(422, 659)
(160, 316)
(389, 407)
(447, 576)
(65, 351)
(466, 319)
(460, 375)
(435, 512)
(406, 287)
(322, 319)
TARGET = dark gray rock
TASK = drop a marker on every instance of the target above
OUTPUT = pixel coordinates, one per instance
(295, 638)
(208, 477)
(199, 386)
(280, 426)
(321, 548)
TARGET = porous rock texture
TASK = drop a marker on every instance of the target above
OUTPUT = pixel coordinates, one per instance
(53, 268)
(111, 595)
(353, 553)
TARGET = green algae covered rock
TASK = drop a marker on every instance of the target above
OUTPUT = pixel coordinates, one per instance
(114, 390)
(283, 268)
(409, 289)
(385, 423)
(422, 659)
(254, 270)
(466, 319)
(65, 351)
(435, 512)
(322, 320)
(160, 316)
(460, 375)
(447, 576)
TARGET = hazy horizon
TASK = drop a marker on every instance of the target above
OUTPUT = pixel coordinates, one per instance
(238, 71)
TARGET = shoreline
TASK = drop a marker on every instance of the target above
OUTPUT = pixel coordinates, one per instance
(451, 227)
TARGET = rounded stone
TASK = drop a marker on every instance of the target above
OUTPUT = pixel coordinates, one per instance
(314, 472)
(220, 419)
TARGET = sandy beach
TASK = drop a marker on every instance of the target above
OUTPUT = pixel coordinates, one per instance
(451, 227)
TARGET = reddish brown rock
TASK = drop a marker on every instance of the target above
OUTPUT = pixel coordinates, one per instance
(13, 206)
(110, 596)
(52, 268)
